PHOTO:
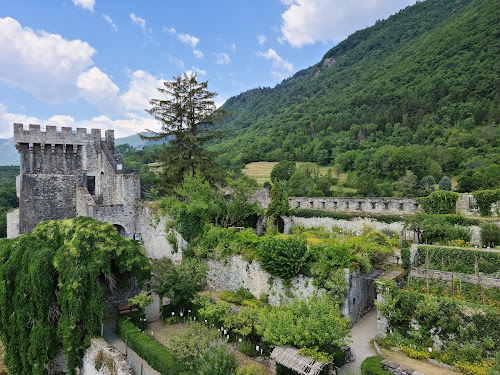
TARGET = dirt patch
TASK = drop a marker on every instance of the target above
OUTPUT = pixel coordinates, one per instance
(3, 369)
(415, 364)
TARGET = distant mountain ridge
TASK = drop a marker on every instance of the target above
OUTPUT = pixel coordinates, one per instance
(426, 80)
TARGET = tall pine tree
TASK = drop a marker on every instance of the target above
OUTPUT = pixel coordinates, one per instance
(187, 115)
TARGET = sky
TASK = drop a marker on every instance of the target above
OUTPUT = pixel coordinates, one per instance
(96, 63)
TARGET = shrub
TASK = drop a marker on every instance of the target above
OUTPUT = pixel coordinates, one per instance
(250, 370)
(372, 366)
(158, 357)
(490, 234)
(405, 258)
(283, 257)
(247, 347)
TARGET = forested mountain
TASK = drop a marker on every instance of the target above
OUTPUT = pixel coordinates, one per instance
(418, 91)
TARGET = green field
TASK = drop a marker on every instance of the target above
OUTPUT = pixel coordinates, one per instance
(261, 171)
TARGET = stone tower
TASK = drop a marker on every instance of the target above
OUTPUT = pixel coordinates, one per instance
(65, 174)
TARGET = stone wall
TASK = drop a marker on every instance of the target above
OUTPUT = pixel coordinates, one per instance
(13, 223)
(45, 197)
(234, 273)
(154, 238)
(487, 281)
(103, 359)
(362, 205)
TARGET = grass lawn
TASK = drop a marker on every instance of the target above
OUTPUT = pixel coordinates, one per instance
(261, 170)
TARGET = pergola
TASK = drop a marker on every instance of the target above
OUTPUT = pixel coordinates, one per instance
(292, 359)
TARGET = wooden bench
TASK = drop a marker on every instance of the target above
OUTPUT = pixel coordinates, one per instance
(126, 309)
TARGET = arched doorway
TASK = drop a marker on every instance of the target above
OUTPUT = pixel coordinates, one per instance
(121, 230)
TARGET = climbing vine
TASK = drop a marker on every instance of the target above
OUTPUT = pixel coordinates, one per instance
(440, 202)
(52, 286)
(484, 199)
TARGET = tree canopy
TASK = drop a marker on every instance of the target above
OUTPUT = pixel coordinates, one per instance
(52, 285)
(187, 115)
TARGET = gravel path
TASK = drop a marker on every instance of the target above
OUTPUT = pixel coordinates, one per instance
(362, 332)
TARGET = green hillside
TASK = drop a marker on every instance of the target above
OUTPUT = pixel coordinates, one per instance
(418, 91)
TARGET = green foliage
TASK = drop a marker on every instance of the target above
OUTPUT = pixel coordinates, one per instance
(461, 326)
(306, 212)
(407, 186)
(485, 198)
(372, 366)
(445, 183)
(279, 201)
(180, 282)
(141, 300)
(490, 234)
(441, 228)
(405, 258)
(155, 354)
(315, 323)
(440, 202)
(460, 259)
(197, 204)
(283, 257)
(238, 297)
(227, 242)
(403, 94)
(198, 350)
(54, 278)
(283, 171)
(187, 116)
(249, 369)
(8, 197)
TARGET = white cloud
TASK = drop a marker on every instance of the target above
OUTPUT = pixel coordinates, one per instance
(98, 89)
(222, 58)
(199, 71)
(233, 47)
(261, 39)
(85, 4)
(110, 21)
(309, 21)
(46, 65)
(177, 62)
(188, 39)
(8, 119)
(141, 22)
(61, 120)
(279, 66)
(198, 54)
(170, 30)
(143, 86)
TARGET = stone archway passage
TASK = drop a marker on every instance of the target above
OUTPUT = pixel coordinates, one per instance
(121, 230)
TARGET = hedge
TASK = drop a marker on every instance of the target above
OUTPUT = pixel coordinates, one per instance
(373, 366)
(308, 213)
(439, 202)
(462, 259)
(158, 357)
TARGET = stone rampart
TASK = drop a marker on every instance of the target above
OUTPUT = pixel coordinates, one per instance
(389, 206)
(52, 136)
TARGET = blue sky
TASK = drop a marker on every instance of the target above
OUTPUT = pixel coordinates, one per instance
(95, 63)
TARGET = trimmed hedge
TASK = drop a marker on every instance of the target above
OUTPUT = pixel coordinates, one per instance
(158, 357)
(372, 366)
(308, 213)
(445, 259)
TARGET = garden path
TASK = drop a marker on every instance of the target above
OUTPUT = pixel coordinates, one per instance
(362, 333)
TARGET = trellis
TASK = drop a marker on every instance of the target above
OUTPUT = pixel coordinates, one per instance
(292, 359)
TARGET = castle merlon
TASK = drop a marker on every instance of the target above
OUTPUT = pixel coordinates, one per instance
(35, 135)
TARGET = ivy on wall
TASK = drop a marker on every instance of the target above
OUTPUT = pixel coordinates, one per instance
(439, 202)
(484, 199)
(52, 289)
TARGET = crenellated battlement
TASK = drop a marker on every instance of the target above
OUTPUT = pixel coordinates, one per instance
(51, 135)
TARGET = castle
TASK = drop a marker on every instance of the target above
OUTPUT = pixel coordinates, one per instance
(65, 174)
